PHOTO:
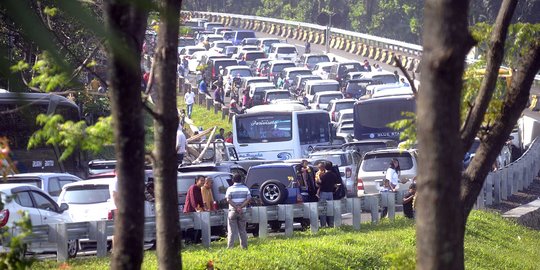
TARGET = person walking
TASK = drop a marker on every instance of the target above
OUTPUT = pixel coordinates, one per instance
(181, 144)
(189, 99)
(238, 197)
(329, 182)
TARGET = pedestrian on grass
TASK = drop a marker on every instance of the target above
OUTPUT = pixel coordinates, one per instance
(189, 99)
(329, 181)
(238, 196)
(408, 210)
(181, 145)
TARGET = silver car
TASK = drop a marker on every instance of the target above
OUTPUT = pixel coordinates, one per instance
(373, 168)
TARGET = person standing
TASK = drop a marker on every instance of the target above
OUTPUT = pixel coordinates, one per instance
(203, 87)
(189, 98)
(221, 135)
(181, 144)
(207, 196)
(238, 197)
(194, 200)
(113, 190)
(194, 203)
(392, 174)
(329, 182)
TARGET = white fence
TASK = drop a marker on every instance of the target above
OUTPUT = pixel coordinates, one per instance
(99, 230)
(512, 178)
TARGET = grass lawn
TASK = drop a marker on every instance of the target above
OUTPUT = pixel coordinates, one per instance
(490, 243)
(205, 118)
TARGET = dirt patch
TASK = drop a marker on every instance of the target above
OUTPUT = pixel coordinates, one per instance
(520, 198)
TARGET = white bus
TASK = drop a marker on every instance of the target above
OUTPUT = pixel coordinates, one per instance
(279, 131)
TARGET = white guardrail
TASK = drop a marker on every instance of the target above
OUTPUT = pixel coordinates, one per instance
(99, 230)
(512, 178)
(376, 48)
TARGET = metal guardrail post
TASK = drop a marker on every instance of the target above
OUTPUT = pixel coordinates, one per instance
(355, 207)
(337, 213)
(313, 210)
(497, 187)
(488, 187)
(504, 184)
(263, 221)
(201, 222)
(61, 239)
(98, 232)
(374, 204)
(285, 213)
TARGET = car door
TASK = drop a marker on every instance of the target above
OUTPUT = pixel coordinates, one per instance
(24, 199)
(49, 213)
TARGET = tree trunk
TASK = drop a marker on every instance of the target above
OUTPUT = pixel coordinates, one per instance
(441, 220)
(127, 23)
(165, 125)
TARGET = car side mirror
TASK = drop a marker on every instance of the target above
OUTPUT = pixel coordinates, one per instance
(63, 207)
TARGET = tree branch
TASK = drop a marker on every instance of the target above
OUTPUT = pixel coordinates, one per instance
(154, 115)
(406, 74)
(495, 57)
(514, 104)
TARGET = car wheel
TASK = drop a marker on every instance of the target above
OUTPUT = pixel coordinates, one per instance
(272, 192)
(73, 248)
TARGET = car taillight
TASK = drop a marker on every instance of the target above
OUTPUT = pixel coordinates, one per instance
(334, 116)
(348, 172)
(213, 73)
(360, 185)
(4, 217)
(110, 215)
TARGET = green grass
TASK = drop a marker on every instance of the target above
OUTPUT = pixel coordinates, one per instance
(490, 243)
(205, 118)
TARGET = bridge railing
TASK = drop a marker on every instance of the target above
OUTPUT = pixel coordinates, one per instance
(363, 45)
(514, 177)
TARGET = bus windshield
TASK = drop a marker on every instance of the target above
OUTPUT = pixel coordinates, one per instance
(372, 116)
(18, 123)
(264, 128)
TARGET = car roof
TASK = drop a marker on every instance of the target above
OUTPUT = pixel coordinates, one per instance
(276, 91)
(46, 174)
(251, 52)
(98, 181)
(9, 187)
(222, 41)
(280, 107)
(274, 62)
(343, 100)
(289, 69)
(327, 82)
(324, 64)
(283, 45)
(213, 36)
(389, 150)
(203, 173)
(331, 151)
(329, 93)
(344, 111)
(272, 165)
(261, 84)
(238, 67)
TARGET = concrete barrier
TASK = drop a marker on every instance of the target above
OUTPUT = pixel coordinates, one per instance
(527, 215)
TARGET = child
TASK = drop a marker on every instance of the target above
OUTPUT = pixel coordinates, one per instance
(408, 201)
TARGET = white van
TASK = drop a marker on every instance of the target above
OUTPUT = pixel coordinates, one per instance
(283, 51)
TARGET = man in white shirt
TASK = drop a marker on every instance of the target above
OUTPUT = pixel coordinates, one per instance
(189, 98)
(181, 143)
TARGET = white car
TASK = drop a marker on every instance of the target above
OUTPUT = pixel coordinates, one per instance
(50, 183)
(322, 99)
(244, 49)
(41, 209)
(283, 51)
(323, 69)
(91, 200)
(218, 46)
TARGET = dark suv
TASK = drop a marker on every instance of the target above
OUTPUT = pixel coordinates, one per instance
(282, 183)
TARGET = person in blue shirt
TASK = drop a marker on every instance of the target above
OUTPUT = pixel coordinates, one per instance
(203, 87)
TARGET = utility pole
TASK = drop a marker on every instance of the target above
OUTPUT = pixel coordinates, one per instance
(328, 32)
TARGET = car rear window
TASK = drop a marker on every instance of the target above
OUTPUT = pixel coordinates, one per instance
(286, 50)
(336, 159)
(280, 67)
(380, 161)
(242, 35)
(87, 194)
(327, 98)
(344, 105)
(254, 56)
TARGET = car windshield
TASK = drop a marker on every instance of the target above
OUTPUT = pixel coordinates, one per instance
(254, 56)
(327, 98)
(87, 194)
(280, 67)
(336, 159)
(380, 161)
